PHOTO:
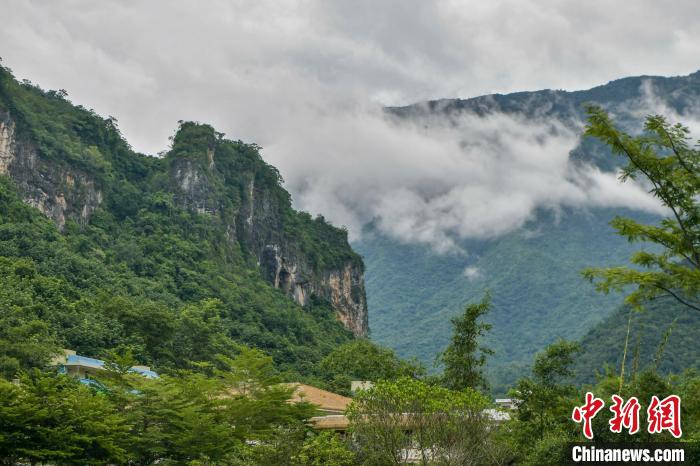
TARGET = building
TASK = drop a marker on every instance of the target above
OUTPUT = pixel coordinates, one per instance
(507, 403)
(331, 406)
(84, 368)
(357, 385)
(328, 403)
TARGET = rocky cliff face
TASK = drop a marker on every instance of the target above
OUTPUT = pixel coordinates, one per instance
(258, 223)
(343, 287)
(60, 192)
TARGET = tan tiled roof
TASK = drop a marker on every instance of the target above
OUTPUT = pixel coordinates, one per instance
(325, 400)
(333, 421)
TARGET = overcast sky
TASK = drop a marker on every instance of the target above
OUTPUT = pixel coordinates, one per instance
(304, 79)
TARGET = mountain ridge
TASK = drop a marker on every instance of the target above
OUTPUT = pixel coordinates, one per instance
(204, 234)
(526, 284)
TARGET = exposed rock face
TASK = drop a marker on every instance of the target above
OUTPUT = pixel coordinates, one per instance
(7, 133)
(343, 288)
(60, 192)
(287, 268)
(258, 226)
(195, 187)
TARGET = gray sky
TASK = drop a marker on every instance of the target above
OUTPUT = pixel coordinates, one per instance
(305, 78)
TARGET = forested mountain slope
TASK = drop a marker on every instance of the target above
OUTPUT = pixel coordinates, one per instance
(533, 273)
(663, 335)
(175, 258)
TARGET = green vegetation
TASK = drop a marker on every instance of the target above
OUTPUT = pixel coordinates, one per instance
(662, 157)
(180, 418)
(658, 328)
(91, 291)
(50, 418)
(153, 275)
(542, 427)
(666, 289)
(446, 426)
(535, 280)
(662, 336)
(464, 359)
(534, 273)
(148, 272)
(362, 360)
(163, 271)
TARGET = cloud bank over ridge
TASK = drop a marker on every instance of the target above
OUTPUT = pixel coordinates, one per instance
(307, 79)
(480, 178)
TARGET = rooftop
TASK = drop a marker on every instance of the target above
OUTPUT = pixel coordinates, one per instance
(70, 359)
(326, 401)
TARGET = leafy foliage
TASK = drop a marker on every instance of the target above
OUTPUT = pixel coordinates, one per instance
(534, 273)
(181, 417)
(545, 398)
(446, 427)
(542, 426)
(535, 280)
(363, 360)
(52, 418)
(662, 337)
(464, 358)
(662, 157)
(324, 449)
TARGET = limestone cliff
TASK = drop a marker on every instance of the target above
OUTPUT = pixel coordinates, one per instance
(58, 190)
(228, 181)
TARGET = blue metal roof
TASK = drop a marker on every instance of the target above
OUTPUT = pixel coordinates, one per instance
(90, 383)
(77, 359)
(145, 372)
(84, 360)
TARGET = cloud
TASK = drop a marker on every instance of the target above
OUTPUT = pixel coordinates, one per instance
(306, 79)
(471, 177)
(634, 111)
(472, 273)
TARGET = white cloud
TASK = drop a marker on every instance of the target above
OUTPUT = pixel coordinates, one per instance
(472, 273)
(305, 80)
(650, 102)
(474, 177)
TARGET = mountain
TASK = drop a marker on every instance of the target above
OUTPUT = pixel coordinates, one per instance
(663, 335)
(175, 257)
(533, 273)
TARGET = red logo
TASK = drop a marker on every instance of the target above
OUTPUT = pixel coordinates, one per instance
(587, 412)
(665, 415)
(626, 415)
(661, 415)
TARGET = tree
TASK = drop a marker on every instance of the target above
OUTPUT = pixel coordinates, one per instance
(542, 423)
(51, 418)
(26, 340)
(189, 417)
(464, 358)
(324, 449)
(541, 395)
(363, 360)
(663, 158)
(201, 333)
(407, 418)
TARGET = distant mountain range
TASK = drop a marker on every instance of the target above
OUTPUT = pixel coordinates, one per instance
(533, 273)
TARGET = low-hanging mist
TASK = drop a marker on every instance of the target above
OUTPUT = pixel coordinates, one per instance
(469, 177)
